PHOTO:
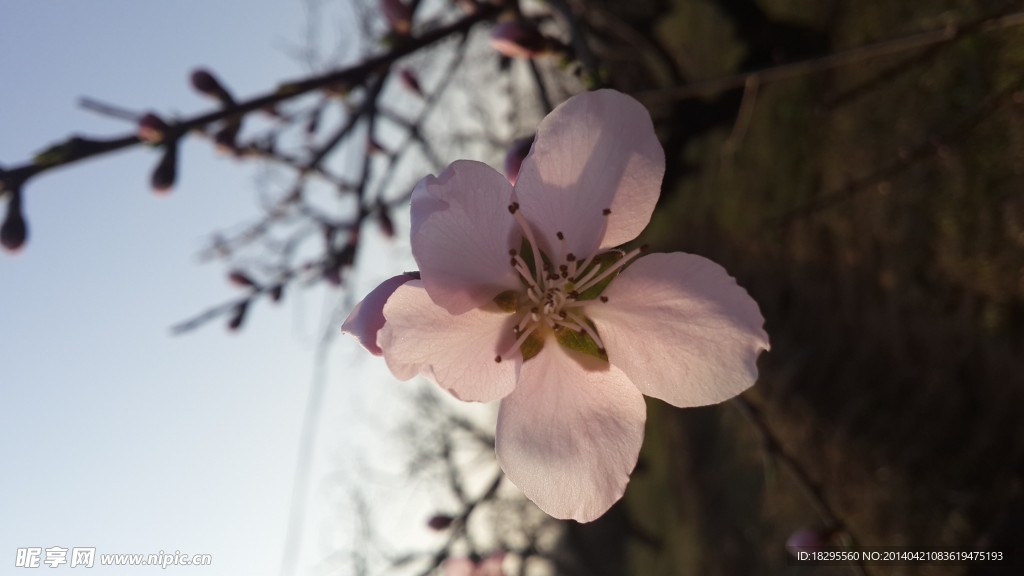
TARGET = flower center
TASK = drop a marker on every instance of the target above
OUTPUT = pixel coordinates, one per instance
(555, 292)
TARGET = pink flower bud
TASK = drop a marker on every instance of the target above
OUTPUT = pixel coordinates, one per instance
(805, 540)
(440, 521)
(166, 172)
(207, 84)
(398, 14)
(518, 39)
(152, 128)
(14, 230)
(410, 81)
(514, 158)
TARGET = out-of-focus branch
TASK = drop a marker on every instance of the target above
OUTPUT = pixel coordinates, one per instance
(811, 489)
(77, 148)
(908, 157)
(946, 35)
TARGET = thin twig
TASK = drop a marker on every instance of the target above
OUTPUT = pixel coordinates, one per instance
(811, 489)
(76, 148)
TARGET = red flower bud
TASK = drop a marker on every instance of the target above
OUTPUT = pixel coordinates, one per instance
(14, 230)
(152, 128)
(518, 39)
(225, 138)
(241, 279)
(387, 225)
(238, 315)
(207, 84)
(276, 292)
(398, 14)
(410, 81)
(166, 172)
(440, 521)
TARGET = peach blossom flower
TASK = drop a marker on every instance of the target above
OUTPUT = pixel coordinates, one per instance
(523, 298)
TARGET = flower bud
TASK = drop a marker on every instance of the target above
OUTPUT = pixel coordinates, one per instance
(238, 315)
(166, 172)
(387, 225)
(14, 230)
(805, 540)
(276, 292)
(398, 14)
(152, 128)
(440, 521)
(207, 84)
(518, 39)
(374, 147)
(410, 81)
(241, 279)
(225, 138)
(514, 158)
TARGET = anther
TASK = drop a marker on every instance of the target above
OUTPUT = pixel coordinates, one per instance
(604, 298)
(513, 207)
(560, 235)
(512, 252)
(570, 257)
(606, 211)
(574, 294)
(497, 359)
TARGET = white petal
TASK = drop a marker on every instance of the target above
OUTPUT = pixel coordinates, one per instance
(456, 352)
(367, 318)
(682, 329)
(461, 234)
(597, 150)
(569, 437)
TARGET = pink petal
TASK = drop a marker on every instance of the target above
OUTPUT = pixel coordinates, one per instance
(456, 352)
(461, 234)
(569, 437)
(681, 329)
(459, 567)
(491, 566)
(367, 318)
(597, 150)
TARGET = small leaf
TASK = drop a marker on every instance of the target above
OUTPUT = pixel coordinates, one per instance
(508, 301)
(531, 346)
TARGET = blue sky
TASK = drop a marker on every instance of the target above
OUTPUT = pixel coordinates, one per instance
(115, 434)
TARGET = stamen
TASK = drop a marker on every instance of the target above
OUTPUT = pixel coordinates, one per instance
(632, 255)
(520, 265)
(519, 341)
(528, 233)
(604, 298)
(606, 211)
